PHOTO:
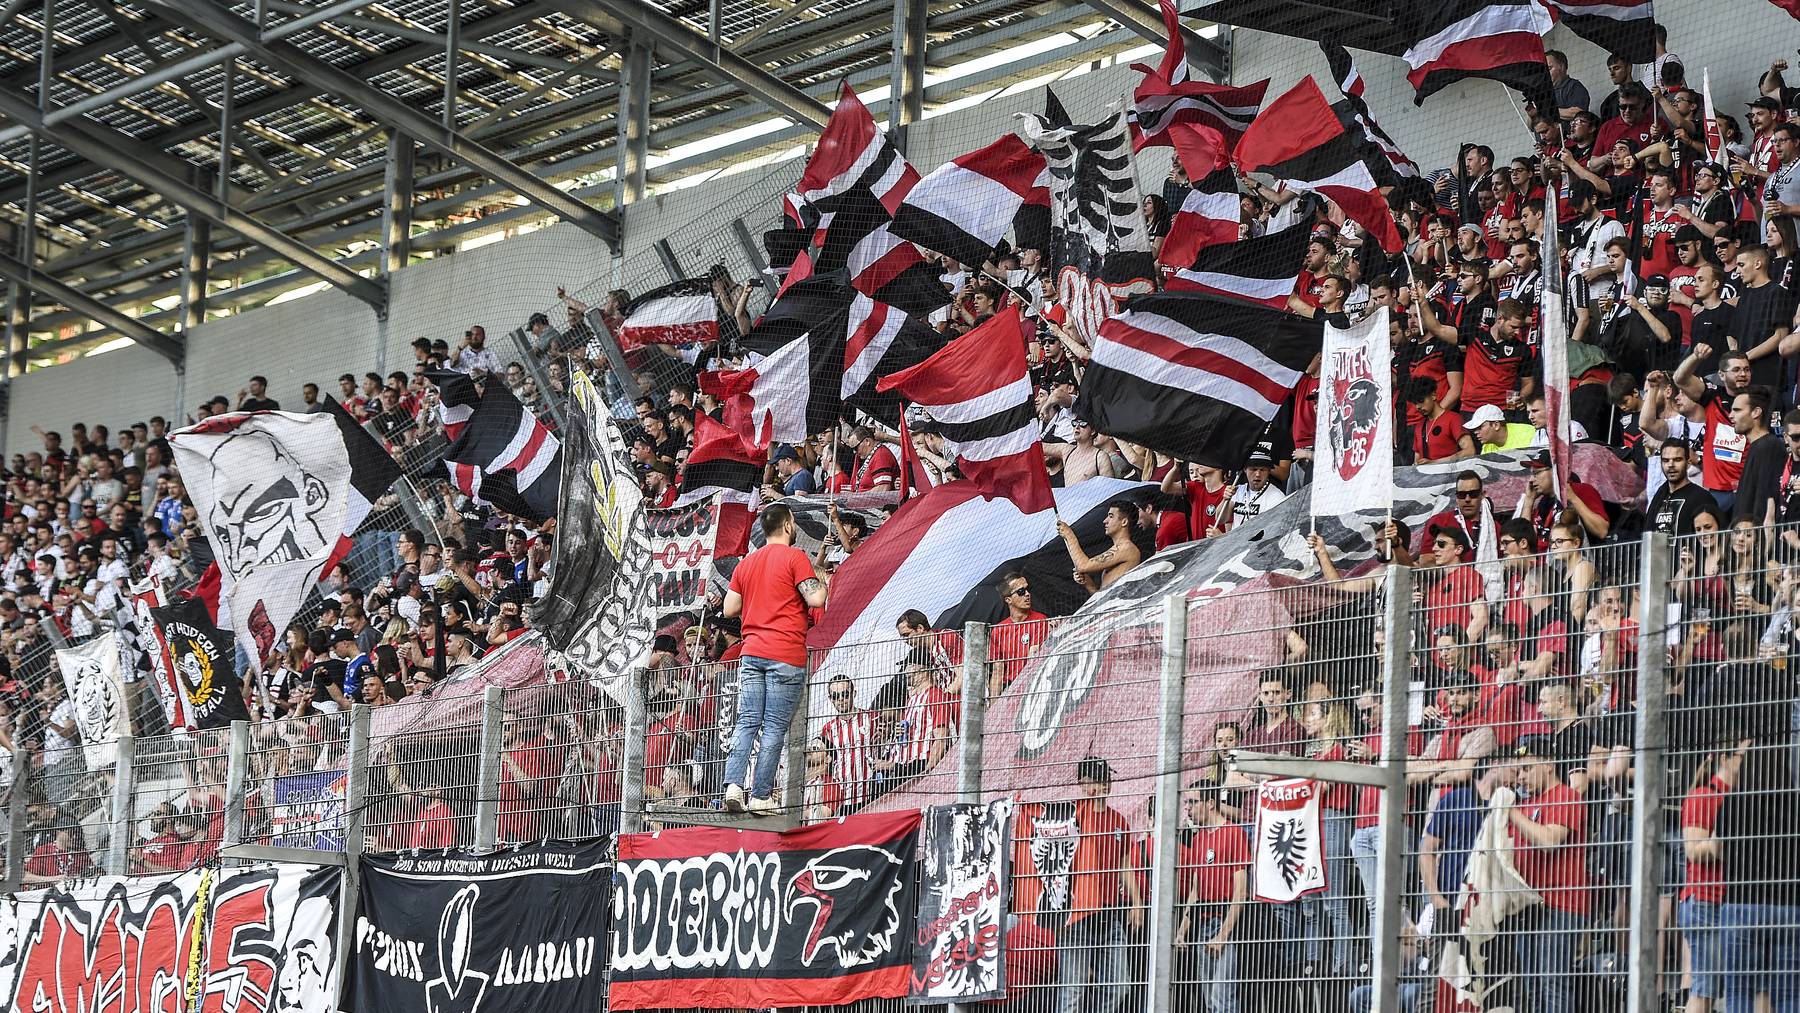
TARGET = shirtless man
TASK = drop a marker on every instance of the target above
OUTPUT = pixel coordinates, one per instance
(1118, 559)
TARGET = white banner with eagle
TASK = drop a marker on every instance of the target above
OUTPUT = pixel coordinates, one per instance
(1353, 460)
(1288, 851)
(91, 675)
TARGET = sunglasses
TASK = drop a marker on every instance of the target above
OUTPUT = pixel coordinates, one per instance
(841, 695)
(1018, 591)
(1467, 493)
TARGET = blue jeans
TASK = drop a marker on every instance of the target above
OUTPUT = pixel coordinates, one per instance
(1362, 997)
(1762, 954)
(1091, 963)
(1546, 947)
(1214, 978)
(1699, 921)
(768, 692)
(1365, 849)
(1333, 903)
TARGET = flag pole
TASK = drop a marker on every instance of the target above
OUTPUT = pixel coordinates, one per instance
(1513, 100)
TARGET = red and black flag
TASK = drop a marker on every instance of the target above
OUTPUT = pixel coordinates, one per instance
(879, 341)
(1201, 121)
(1501, 40)
(507, 458)
(1263, 269)
(723, 462)
(1299, 140)
(1625, 27)
(1208, 216)
(796, 357)
(964, 207)
(978, 391)
(679, 313)
(458, 396)
(1388, 161)
(1195, 377)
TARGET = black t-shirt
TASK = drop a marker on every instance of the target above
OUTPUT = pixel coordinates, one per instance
(1760, 311)
(259, 404)
(1710, 327)
(325, 674)
(1761, 477)
(1672, 512)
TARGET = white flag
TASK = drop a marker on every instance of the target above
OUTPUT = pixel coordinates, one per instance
(1354, 447)
(91, 675)
(1289, 848)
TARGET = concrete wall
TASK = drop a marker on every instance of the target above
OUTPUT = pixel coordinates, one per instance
(500, 285)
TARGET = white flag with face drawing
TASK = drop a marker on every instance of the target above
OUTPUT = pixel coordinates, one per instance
(91, 675)
(1353, 463)
(278, 496)
(1288, 850)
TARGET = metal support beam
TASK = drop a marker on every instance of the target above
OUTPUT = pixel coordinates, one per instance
(634, 122)
(670, 262)
(196, 261)
(119, 837)
(1147, 23)
(906, 94)
(237, 779)
(396, 113)
(752, 251)
(151, 338)
(674, 36)
(118, 152)
(1650, 766)
(1386, 953)
(487, 773)
(16, 824)
(396, 212)
(452, 55)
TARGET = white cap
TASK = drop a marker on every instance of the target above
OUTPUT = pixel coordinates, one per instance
(1485, 414)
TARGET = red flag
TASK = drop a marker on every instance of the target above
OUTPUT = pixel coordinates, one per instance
(1791, 6)
(1201, 121)
(207, 590)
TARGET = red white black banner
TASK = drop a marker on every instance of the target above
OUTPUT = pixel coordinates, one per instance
(1288, 849)
(1355, 438)
(964, 207)
(1625, 27)
(959, 950)
(253, 940)
(680, 313)
(820, 916)
(1501, 40)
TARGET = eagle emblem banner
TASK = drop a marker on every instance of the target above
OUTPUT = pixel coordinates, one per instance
(1354, 460)
(1289, 847)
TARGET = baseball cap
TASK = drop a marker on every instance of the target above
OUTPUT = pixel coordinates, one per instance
(1764, 102)
(342, 634)
(1259, 459)
(785, 453)
(1483, 415)
(1708, 166)
(1540, 460)
(1469, 227)
(1657, 281)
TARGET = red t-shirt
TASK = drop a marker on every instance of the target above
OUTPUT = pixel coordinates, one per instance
(1436, 439)
(1722, 457)
(1011, 641)
(1491, 370)
(1306, 411)
(1559, 873)
(1207, 509)
(1215, 854)
(434, 827)
(774, 614)
(1705, 880)
(881, 464)
(1447, 602)
(1659, 242)
(1639, 135)
(49, 860)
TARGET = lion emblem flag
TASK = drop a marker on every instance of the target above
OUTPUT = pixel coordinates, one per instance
(1354, 460)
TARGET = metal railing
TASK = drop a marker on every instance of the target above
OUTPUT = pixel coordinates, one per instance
(1623, 711)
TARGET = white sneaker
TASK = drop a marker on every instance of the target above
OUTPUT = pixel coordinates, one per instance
(763, 807)
(734, 798)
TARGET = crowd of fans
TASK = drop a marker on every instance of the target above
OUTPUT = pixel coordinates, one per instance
(1680, 288)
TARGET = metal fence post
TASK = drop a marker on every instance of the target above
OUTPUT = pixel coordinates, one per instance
(356, 794)
(974, 712)
(528, 358)
(1163, 887)
(15, 820)
(631, 763)
(1650, 765)
(118, 839)
(1390, 877)
(237, 771)
(487, 779)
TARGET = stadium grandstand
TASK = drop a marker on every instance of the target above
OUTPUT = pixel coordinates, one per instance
(1077, 506)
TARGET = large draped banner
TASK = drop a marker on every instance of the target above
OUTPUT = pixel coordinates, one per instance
(593, 612)
(819, 916)
(250, 940)
(681, 545)
(517, 931)
(91, 675)
(959, 946)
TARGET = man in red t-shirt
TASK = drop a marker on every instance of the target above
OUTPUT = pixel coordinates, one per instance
(1012, 640)
(1214, 873)
(1548, 826)
(1103, 899)
(434, 825)
(772, 588)
(1458, 596)
(875, 467)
